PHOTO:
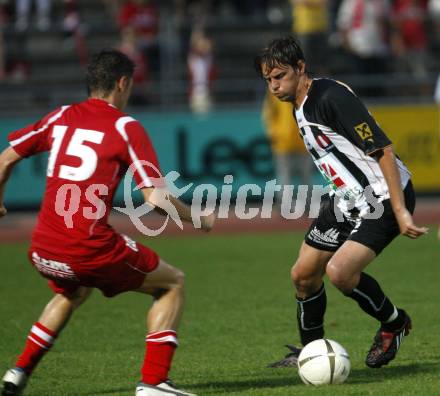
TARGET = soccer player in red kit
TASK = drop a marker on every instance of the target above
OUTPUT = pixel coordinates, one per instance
(91, 145)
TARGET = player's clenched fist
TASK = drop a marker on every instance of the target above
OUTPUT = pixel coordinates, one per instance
(3, 211)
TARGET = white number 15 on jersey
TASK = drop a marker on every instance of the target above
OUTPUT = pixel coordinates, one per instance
(75, 148)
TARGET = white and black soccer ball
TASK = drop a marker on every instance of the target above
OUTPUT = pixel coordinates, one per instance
(323, 362)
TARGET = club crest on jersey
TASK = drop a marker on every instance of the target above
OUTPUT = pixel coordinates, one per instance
(364, 131)
(330, 174)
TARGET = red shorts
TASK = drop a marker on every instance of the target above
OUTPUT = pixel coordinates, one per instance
(130, 262)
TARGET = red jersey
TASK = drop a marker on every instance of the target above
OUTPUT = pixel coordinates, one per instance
(410, 17)
(143, 18)
(91, 146)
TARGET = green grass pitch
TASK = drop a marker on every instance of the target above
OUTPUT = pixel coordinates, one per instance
(240, 312)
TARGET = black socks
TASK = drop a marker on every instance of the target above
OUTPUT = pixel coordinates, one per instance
(368, 294)
(370, 297)
(310, 315)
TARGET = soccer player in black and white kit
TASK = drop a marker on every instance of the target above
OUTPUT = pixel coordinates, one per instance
(357, 159)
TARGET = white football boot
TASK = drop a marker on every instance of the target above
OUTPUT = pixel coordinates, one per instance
(163, 389)
(14, 382)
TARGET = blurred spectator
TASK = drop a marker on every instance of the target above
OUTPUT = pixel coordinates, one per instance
(202, 72)
(434, 16)
(74, 30)
(364, 26)
(129, 47)
(23, 9)
(311, 26)
(410, 42)
(143, 16)
(289, 153)
(13, 62)
(189, 15)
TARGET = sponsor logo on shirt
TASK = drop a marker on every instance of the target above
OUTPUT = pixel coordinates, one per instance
(330, 237)
(52, 268)
(364, 131)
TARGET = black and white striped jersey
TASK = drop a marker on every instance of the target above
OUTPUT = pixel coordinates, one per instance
(342, 137)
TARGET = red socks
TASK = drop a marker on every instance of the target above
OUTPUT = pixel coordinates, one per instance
(39, 341)
(158, 356)
(160, 349)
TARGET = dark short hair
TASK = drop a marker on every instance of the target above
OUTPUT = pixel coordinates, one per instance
(284, 51)
(105, 69)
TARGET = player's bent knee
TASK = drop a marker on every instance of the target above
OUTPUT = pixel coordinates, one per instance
(163, 279)
(296, 274)
(175, 283)
(339, 278)
(304, 281)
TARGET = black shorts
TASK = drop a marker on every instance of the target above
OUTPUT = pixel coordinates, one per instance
(327, 233)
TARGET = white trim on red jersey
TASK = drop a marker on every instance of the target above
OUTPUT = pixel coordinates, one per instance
(120, 127)
(51, 120)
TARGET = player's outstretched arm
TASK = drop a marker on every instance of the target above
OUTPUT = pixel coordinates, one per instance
(387, 163)
(165, 203)
(8, 159)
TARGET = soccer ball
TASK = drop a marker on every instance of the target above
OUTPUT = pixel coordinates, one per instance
(323, 362)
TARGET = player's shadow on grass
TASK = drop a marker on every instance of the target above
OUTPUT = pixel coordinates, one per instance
(357, 376)
(360, 376)
(235, 386)
(114, 391)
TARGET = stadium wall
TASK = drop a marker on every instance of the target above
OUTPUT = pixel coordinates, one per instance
(205, 148)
